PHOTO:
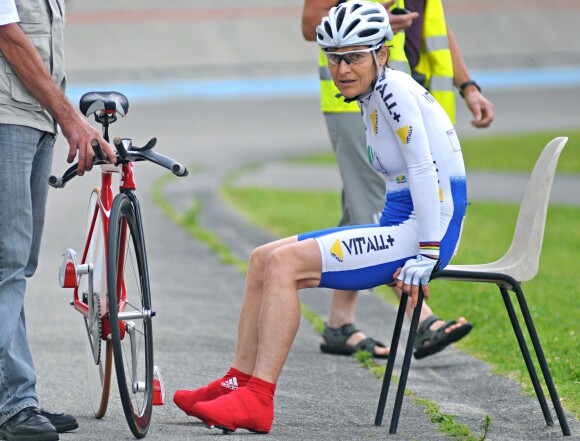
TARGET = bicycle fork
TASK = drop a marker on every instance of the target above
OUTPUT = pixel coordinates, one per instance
(137, 385)
(125, 317)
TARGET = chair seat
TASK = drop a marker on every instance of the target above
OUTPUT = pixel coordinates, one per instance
(478, 273)
(516, 270)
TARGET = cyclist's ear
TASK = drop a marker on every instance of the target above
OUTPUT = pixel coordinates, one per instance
(383, 55)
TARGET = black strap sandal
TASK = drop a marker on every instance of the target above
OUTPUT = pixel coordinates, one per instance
(335, 342)
(429, 342)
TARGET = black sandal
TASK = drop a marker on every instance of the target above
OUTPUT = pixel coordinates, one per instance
(429, 342)
(335, 342)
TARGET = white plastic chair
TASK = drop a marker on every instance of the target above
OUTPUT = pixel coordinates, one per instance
(519, 264)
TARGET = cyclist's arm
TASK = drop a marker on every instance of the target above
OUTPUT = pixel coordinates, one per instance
(26, 62)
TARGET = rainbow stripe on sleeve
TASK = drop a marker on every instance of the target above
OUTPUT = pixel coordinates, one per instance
(429, 248)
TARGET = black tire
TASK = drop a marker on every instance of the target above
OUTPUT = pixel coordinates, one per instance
(129, 277)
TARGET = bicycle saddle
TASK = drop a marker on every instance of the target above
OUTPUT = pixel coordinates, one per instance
(107, 102)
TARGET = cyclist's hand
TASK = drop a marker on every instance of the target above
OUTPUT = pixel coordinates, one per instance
(399, 22)
(416, 272)
(79, 134)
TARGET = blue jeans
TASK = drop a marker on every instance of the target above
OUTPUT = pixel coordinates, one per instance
(25, 162)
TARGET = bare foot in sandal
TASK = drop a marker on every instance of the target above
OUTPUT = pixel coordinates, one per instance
(434, 335)
(347, 339)
(459, 322)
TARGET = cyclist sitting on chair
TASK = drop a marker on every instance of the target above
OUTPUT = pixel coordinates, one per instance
(413, 143)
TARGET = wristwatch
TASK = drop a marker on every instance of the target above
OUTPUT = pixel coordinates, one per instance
(468, 83)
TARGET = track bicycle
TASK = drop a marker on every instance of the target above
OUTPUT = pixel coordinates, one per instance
(111, 280)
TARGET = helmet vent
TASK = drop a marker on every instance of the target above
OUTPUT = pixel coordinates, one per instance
(351, 27)
(368, 33)
(327, 28)
(340, 17)
(370, 11)
(355, 7)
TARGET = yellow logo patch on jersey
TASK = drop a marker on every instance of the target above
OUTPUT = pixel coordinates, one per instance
(336, 251)
(374, 121)
(404, 134)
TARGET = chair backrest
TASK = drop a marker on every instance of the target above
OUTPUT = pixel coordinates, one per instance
(523, 256)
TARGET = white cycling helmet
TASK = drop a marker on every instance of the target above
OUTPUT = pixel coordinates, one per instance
(355, 23)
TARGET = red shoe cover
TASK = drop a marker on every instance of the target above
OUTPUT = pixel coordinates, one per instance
(185, 399)
(250, 408)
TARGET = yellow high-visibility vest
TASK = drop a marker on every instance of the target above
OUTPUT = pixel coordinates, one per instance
(434, 62)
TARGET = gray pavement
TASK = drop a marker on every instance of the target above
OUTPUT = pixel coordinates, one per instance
(196, 297)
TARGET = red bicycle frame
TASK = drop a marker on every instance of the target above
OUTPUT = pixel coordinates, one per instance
(103, 209)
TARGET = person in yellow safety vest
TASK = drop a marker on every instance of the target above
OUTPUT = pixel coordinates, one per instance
(425, 47)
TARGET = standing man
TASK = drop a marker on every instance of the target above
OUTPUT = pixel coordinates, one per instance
(425, 48)
(32, 103)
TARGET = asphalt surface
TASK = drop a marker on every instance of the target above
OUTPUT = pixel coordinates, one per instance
(195, 296)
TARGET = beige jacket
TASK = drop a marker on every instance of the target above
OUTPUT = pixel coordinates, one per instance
(43, 23)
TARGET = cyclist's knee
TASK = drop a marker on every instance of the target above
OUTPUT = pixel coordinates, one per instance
(258, 257)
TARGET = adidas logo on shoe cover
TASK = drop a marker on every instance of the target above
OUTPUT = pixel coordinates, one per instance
(232, 383)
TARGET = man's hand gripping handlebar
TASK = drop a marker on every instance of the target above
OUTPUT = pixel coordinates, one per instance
(126, 153)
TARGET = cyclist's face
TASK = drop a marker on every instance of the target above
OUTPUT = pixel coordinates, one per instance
(353, 68)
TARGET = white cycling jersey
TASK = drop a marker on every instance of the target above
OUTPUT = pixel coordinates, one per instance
(413, 143)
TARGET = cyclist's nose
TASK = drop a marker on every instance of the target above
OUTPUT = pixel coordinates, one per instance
(343, 66)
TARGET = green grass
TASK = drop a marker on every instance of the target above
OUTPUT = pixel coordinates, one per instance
(492, 152)
(488, 230)
(551, 296)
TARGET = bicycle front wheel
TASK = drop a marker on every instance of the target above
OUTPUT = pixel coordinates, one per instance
(130, 312)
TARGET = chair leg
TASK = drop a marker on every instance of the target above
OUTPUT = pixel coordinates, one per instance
(406, 365)
(391, 360)
(527, 357)
(542, 360)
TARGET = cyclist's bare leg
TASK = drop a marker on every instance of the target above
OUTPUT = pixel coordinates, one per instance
(288, 269)
(275, 306)
(247, 340)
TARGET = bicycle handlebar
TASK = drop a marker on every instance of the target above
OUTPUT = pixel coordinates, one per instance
(126, 152)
